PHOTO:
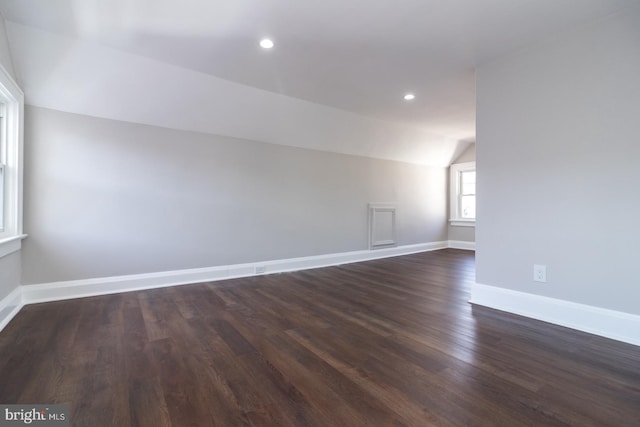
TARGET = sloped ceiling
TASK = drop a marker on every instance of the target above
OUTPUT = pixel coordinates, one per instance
(334, 80)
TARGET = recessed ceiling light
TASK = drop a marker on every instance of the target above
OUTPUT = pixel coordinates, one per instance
(266, 43)
(409, 97)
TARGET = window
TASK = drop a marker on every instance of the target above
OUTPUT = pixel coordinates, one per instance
(11, 113)
(1, 197)
(463, 194)
(3, 157)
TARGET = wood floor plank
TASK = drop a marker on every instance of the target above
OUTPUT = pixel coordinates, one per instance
(391, 342)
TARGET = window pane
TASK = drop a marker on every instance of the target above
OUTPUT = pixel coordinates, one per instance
(468, 182)
(1, 197)
(468, 207)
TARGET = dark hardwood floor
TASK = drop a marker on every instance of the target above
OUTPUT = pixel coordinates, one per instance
(388, 342)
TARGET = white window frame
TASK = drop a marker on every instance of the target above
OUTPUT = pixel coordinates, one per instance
(456, 171)
(12, 158)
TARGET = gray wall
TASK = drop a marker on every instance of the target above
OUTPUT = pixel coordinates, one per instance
(10, 264)
(464, 234)
(468, 155)
(9, 273)
(558, 162)
(106, 198)
(5, 53)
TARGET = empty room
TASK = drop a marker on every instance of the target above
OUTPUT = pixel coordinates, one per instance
(331, 213)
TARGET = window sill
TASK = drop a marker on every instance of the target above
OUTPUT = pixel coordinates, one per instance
(11, 244)
(462, 222)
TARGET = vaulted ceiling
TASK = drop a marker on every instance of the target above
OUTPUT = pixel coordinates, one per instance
(360, 56)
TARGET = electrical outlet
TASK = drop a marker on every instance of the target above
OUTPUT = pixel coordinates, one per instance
(261, 269)
(540, 273)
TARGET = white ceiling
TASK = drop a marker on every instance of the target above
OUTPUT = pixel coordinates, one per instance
(356, 55)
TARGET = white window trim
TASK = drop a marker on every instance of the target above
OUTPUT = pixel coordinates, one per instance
(13, 97)
(454, 186)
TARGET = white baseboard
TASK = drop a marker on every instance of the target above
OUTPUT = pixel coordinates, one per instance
(612, 324)
(461, 244)
(108, 285)
(10, 306)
